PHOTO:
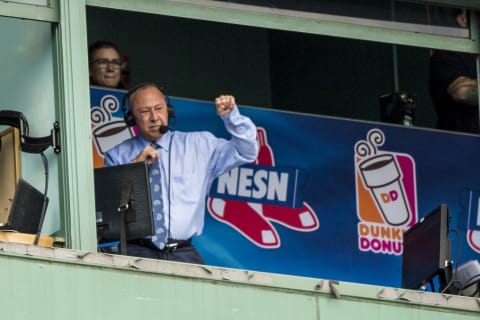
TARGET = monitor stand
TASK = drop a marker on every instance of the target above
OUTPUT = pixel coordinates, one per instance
(446, 280)
(127, 215)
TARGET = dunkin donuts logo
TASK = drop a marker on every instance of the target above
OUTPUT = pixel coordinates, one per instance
(107, 130)
(386, 195)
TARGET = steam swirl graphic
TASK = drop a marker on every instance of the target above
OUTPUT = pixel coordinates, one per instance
(108, 105)
(375, 139)
(97, 115)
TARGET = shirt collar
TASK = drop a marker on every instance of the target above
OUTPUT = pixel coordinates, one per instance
(163, 142)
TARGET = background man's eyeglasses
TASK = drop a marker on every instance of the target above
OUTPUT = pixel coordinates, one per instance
(103, 63)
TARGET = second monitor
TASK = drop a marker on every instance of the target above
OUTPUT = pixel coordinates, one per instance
(427, 251)
(123, 203)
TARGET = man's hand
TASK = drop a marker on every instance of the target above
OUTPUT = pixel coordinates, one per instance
(148, 155)
(225, 104)
(465, 90)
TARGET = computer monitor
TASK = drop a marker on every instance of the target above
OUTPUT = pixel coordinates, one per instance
(427, 251)
(28, 209)
(123, 203)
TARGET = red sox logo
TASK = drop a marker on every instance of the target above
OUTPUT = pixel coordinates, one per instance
(254, 220)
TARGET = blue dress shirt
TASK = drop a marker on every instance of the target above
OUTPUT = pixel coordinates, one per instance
(189, 162)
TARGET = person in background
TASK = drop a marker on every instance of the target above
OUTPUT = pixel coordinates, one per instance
(105, 65)
(453, 86)
(186, 162)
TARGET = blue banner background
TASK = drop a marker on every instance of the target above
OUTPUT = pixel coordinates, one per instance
(323, 148)
(446, 169)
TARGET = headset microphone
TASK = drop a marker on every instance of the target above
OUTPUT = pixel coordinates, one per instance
(163, 129)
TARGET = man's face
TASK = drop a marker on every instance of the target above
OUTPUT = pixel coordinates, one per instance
(105, 68)
(149, 108)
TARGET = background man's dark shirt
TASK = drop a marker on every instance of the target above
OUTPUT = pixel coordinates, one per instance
(445, 67)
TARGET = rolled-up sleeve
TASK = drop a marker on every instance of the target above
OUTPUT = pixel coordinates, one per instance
(241, 149)
(244, 134)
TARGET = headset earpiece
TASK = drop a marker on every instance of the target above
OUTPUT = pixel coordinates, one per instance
(171, 112)
(129, 119)
(127, 115)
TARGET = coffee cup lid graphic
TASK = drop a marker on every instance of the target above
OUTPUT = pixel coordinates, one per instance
(380, 170)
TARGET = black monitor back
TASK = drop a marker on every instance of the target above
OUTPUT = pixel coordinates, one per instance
(426, 250)
(26, 210)
(116, 185)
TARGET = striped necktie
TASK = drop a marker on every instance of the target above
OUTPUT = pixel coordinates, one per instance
(160, 236)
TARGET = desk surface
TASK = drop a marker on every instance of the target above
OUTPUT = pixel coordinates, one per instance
(25, 238)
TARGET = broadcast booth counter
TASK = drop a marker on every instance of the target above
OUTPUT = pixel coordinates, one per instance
(26, 238)
(17, 195)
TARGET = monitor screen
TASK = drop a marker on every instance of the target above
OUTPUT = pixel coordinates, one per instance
(426, 250)
(123, 187)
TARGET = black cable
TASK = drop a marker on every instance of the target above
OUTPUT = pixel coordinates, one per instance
(459, 254)
(169, 175)
(45, 199)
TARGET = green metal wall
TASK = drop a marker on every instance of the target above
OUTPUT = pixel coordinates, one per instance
(46, 283)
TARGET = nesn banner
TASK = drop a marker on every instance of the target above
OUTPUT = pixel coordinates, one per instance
(327, 197)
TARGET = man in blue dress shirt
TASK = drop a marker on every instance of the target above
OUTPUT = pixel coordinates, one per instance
(188, 163)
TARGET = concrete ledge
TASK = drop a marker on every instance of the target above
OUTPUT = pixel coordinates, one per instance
(107, 276)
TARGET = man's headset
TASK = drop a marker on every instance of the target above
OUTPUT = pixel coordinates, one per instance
(128, 116)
